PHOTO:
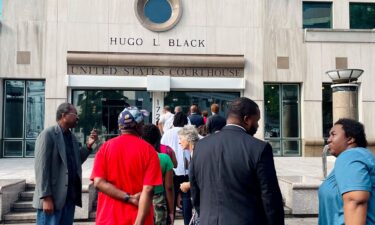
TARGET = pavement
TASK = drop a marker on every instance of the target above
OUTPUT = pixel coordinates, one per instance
(288, 221)
(23, 168)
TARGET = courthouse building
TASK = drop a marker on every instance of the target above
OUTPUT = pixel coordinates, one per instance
(103, 55)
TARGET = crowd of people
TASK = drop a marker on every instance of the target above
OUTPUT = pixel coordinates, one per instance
(211, 167)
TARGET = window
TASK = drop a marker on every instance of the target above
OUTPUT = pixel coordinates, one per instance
(100, 109)
(158, 11)
(23, 117)
(317, 15)
(362, 15)
(282, 118)
(327, 109)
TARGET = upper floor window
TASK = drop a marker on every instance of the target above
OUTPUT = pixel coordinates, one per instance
(158, 11)
(317, 14)
(362, 15)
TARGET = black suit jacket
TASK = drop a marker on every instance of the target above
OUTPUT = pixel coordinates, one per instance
(215, 123)
(196, 120)
(233, 180)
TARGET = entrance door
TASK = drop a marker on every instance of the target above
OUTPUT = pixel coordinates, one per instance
(111, 110)
(100, 109)
(203, 100)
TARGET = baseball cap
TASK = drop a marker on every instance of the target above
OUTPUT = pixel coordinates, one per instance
(130, 117)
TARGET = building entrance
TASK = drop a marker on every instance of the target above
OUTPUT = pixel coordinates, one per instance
(100, 109)
(203, 100)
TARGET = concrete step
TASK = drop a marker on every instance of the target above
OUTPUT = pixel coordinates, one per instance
(301, 194)
(26, 195)
(22, 206)
(287, 211)
(20, 217)
(30, 186)
(92, 215)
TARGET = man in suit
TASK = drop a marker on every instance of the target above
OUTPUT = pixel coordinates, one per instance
(215, 122)
(232, 174)
(195, 118)
(58, 171)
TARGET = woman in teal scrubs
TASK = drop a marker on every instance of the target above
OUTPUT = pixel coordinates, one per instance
(347, 196)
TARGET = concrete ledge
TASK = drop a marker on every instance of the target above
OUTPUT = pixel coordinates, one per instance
(9, 192)
(339, 35)
(312, 147)
(88, 197)
(148, 59)
(300, 194)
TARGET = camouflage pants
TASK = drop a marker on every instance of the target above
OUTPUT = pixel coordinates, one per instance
(160, 209)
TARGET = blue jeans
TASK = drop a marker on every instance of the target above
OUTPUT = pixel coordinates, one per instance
(187, 206)
(63, 216)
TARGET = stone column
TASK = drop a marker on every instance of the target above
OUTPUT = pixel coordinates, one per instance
(345, 101)
(157, 105)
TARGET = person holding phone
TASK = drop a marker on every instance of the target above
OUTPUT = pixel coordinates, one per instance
(58, 172)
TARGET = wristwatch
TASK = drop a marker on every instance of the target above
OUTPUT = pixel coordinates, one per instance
(126, 197)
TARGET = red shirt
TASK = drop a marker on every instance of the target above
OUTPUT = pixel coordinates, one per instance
(127, 162)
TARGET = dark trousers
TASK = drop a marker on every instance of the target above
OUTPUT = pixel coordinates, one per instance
(187, 206)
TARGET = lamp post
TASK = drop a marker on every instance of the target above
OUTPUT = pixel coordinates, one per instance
(345, 93)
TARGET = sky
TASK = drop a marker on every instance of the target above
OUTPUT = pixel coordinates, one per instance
(1, 9)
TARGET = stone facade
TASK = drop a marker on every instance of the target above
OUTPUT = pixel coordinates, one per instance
(36, 36)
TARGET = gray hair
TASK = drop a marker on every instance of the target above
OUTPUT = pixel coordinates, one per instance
(63, 108)
(190, 133)
(177, 109)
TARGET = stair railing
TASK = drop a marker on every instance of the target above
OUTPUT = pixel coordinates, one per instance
(324, 161)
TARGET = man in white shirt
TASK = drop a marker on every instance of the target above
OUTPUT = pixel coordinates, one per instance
(168, 124)
(164, 117)
(170, 138)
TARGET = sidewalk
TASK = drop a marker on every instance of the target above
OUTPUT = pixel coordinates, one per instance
(23, 168)
(288, 221)
(16, 168)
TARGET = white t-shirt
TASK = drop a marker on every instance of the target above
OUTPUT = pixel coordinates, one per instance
(165, 116)
(170, 138)
(168, 124)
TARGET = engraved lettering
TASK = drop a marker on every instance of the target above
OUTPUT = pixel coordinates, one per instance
(139, 41)
(178, 43)
(201, 44)
(131, 41)
(113, 41)
(83, 69)
(113, 70)
(171, 42)
(180, 72)
(193, 43)
(155, 43)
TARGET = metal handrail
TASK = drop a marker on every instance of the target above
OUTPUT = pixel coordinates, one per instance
(324, 161)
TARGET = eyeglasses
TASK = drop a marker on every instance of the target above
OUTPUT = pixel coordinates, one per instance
(71, 113)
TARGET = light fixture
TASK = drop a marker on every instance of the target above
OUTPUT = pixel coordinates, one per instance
(344, 75)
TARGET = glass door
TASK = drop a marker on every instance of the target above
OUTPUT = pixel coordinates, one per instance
(203, 100)
(282, 118)
(100, 109)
